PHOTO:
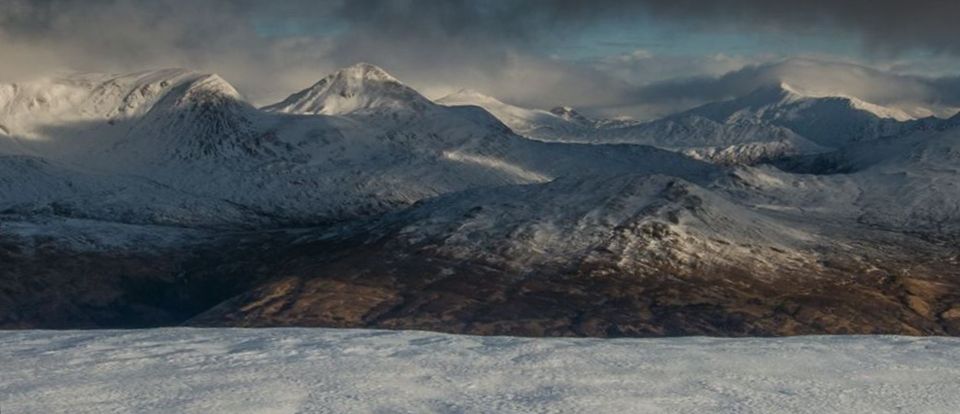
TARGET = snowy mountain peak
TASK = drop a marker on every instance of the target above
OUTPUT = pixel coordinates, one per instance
(202, 89)
(28, 109)
(856, 103)
(213, 83)
(202, 116)
(361, 88)
(367, 71)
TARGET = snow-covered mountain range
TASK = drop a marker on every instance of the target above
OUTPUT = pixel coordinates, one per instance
(360, 202)
(358, 143)
(771, 122)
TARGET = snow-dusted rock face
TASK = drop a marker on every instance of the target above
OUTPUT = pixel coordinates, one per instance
(638, 221)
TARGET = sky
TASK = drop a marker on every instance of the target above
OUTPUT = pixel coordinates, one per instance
(641, 58)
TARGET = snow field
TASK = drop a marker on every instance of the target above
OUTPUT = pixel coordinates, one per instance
(340, 371)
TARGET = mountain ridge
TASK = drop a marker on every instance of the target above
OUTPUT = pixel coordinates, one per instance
(360, 203)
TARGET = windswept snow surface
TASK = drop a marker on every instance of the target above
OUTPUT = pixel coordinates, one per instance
(359, 371)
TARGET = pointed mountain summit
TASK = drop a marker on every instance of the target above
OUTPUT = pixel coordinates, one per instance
(361, 88)
(202, 117)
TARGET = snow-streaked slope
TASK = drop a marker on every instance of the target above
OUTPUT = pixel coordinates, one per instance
(744, 141)
(909, 184)
(749, 217)
(330, 371)
(532, 123)
(638, 221)
(31, 186)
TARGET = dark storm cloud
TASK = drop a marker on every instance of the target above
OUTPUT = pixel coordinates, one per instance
(883, 24)
(941, 96)
(484, 24)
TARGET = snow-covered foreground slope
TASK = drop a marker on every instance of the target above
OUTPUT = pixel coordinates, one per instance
(337, 371)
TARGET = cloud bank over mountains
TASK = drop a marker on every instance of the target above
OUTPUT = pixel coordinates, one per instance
(918, 95)
(511, 49)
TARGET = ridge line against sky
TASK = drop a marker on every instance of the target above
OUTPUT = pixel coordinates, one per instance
(640, 58)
